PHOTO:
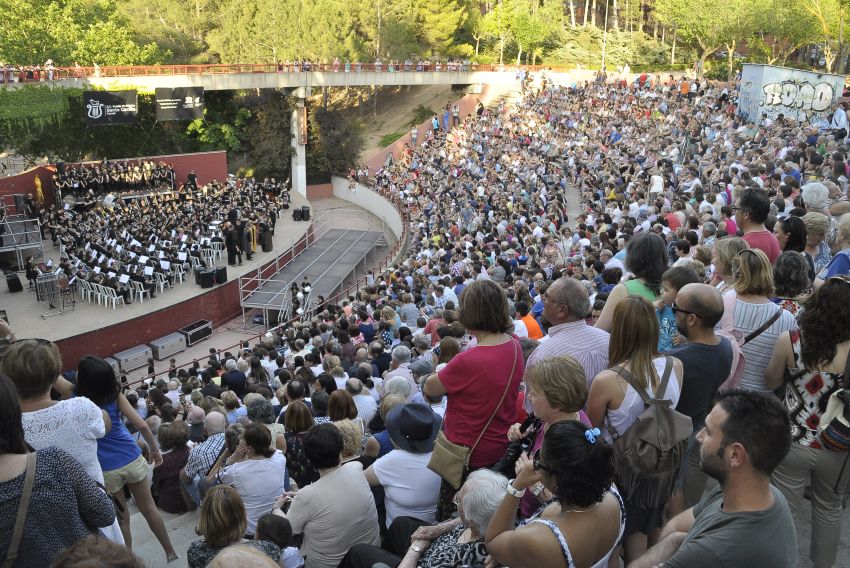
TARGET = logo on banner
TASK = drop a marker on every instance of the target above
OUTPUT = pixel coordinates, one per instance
(94, 108)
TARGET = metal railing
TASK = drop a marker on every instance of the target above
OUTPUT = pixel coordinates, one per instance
(107, 71)
(389, 259)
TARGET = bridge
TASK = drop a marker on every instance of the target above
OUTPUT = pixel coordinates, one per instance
(280, 76)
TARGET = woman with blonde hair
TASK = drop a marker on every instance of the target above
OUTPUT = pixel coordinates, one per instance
(557, 391)
(613, 404)
(725, 259)
(222, 523)
(379, 443)
(817, 226)
(756, 318)
(232, 407)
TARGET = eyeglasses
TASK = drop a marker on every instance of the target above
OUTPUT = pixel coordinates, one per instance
(838, 278)
(547, 298)
(537, 463)
(676, 308)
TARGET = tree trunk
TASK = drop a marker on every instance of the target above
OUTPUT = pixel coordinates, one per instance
(615, 9)
(501, 49)
(586, 10)
(593, 13)
(663, 32)
(572, 14)
(673, 50)
(730, 61)
(477, 44)
(519, 56)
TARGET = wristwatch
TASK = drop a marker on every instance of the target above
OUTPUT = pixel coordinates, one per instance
(537, 489)
(416, 549)
(515, 492)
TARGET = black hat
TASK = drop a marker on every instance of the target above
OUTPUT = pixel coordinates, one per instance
(413, 427)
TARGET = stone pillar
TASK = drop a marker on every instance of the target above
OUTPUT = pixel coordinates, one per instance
(299, 155)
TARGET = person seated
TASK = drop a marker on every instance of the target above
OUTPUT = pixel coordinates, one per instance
(458, 542)
(410, 488)
(585, 521)
(278, 531)
(744, 520)
(222, 523)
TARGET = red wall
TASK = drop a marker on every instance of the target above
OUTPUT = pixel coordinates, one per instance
(219, 305)
(25, 183)
(320, 191)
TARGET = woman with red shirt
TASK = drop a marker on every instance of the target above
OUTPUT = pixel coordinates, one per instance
(476, 380)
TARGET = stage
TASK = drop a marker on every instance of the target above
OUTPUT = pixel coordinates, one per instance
(24, 311)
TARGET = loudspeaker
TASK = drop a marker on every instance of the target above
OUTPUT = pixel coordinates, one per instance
(305, 213)
(296, 214)
(220, 274)
(206, 278)
(14, 282)
(19, 203)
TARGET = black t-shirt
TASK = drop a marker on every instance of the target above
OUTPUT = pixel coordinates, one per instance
(235, 381)
(705, 368)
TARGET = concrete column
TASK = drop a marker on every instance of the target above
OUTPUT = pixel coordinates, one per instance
(299, 156)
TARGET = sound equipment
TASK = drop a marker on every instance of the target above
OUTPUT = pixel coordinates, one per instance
(133, 358)
(197, 331)
(220, 274)
(297, 214)
(165, 347)
(267, 242)
(305, 213)
(19, 203)
(206, 278)
(14, 282)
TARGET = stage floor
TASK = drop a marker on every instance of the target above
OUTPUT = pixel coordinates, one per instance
(24, 311)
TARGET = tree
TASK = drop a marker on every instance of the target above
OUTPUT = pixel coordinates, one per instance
(829, 16)
(789, 27)
(334, 144)
(701, 22)
(441, 19)
(528, 29)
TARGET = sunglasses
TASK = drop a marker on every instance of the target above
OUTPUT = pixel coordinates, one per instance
(537, 463)
(676, 309)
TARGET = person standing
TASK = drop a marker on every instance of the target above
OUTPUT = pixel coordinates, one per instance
(231, 242)
(811, 365)
(706, 363)
(751, 211)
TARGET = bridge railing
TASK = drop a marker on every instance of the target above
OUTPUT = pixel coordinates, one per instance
(228, 68)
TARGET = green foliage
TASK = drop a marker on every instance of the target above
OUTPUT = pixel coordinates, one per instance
(420, 114)
(388, 139)
(441, 20)
(583, 46)
(87, 31)
(270, 148)
(32, 106)
(334, 144)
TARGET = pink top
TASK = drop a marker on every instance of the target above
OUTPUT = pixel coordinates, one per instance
(766, 242)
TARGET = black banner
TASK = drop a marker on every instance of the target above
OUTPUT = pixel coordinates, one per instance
(111, 107)
(181, 103)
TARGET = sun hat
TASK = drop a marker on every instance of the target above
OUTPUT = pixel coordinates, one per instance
(413, 427)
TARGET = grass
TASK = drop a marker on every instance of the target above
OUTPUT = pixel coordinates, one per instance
(388, 139)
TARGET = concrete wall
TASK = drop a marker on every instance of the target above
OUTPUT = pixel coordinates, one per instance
(320, 191)
(803, 96)
(371, 202)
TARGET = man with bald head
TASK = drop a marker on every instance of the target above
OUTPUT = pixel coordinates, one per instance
(706, 363)
(566, 304)
(203, 456)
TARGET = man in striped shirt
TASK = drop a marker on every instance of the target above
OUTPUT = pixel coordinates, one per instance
(566, 304)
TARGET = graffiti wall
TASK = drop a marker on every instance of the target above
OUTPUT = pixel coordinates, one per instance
(800, 95)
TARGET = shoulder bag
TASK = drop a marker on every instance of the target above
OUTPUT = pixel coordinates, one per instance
(451, 461)
(23, 506)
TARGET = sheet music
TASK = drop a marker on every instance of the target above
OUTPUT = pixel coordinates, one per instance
(151, 248)
(124, 278)
(166, 265)
(181, 256)
(148, 270)
(97, 270)
(111, 274)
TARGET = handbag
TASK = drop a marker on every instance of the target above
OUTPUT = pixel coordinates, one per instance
(449, 460)
(835, 422)
(23, 506)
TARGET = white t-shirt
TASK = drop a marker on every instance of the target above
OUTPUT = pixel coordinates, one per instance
(410, 488)
(73, 425)
(259, 482)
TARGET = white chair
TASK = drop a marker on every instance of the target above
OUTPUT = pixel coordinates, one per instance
(208, 256)
(99, 293)
(218, 249)
(112, 296)
(86, 291)
(161, 281)
(177, 272)
(140, 291)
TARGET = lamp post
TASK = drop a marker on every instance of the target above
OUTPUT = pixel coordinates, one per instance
(605, 34)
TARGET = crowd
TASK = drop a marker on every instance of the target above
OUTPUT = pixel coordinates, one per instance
(141, 243)
(656, 382)
(87, 181)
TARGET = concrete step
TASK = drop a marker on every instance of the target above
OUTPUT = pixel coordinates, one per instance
(181, 531)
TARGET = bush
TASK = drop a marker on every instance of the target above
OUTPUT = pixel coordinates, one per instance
(388, 139)
(420, 114)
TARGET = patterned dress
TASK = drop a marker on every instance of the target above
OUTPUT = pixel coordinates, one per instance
(806, 396)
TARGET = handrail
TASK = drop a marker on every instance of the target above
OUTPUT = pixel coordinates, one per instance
(400, 208)
(108, 71)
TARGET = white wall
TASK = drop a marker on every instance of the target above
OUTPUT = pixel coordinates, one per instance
(370, 201)
(803, 96)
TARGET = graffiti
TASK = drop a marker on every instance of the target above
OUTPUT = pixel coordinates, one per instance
(798, 95)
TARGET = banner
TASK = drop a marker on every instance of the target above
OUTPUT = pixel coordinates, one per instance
(111, 107)
(181, 103)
